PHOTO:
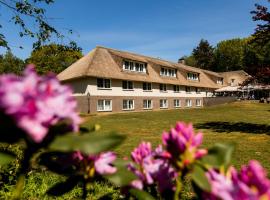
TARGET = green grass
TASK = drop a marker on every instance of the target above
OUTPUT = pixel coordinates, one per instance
(247, 124)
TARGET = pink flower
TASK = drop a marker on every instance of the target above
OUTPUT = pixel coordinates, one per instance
(36, 103)
(250, 183)
(101, 164)
(182, 145)
(151, 168)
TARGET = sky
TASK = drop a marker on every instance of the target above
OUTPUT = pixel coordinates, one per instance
(168, 29)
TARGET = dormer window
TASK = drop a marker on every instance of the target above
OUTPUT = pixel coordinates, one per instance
(220, 81)
(168, 72)
(134, 66)
(193, 76)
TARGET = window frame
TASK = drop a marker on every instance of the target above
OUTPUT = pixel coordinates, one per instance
(147, 103)
(193, 76)
(161, 87)
(127, 84)
(128, 103)
(163, 100)
(198, 105)
(188, 91)
(175, 87)
(134, 66)
(168, 72)
(179, 103)
(147, 87)
(187, 104)
(104, 105)
(104, 84)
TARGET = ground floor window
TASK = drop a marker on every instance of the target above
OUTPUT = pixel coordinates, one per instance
(104, 105)
(198, 102)
(177, 103)
(163, 103)
(188, 103)
(147, 104)
(128, 104)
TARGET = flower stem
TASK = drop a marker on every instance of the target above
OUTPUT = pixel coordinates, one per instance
(178, 187)
(84, 196)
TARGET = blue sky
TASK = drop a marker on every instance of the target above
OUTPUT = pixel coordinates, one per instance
(166, 29)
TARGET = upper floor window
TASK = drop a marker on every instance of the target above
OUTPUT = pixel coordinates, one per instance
(168, 72)
(192, 76)
(188, 89)
(198, 90)
(220, 81)
(232, 82)
(127, 85)
(176, 88)
(147, 86)
(163, 87)
(103, 83)
(134, 66)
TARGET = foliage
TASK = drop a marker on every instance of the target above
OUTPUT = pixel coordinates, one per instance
(262, 31)
(54, 57)
(11, 64)
(203, 55)
(28, 14)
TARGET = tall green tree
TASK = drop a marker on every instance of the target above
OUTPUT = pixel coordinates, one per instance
(54, 57)
(229, 55)
(204, 55)
(11, 64)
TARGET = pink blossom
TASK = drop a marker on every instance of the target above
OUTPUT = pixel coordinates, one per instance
(151, 168)
(102, 163)
(36, 103)
(182, 144)
(250, 183)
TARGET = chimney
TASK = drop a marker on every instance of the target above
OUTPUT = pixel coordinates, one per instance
(182, 61)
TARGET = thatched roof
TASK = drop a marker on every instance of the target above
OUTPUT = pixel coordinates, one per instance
(107, 63)
(239, 75)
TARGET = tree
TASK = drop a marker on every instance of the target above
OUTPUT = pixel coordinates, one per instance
(262, 31)
(11, 64)
(54, 57)
(229, 55)
(27, 14)
(204, 55)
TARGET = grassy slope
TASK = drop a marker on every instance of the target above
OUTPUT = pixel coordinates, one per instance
(247, 124)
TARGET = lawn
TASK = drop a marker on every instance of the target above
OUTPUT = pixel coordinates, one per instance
(246, 124)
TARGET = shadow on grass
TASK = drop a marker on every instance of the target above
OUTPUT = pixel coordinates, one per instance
(235, 127)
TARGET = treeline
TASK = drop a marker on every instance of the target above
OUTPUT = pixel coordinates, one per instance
(47, 58)
(230, 55)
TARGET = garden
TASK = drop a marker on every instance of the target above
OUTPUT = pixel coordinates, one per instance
(48, 151)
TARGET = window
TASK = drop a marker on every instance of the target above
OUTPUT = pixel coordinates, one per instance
(198, 102)
(147, 104)
(128, 104)
(177, 103)
(163, 87)
(188, 89)
(163, 103)
(168, 72)
(147, 86)
(134, 66)
(188, 103)
(198, 90)
(104, 105)
(176, 88)
(192, 76)
(232, 82)
(220, 81)
(103, 83)
(127, 85)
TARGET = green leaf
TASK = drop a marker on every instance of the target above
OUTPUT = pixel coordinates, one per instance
(87, 143)
(123, 176)
(6, 158)
(140, 194)
(219, 156)
(63, 187)
(199, 178)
